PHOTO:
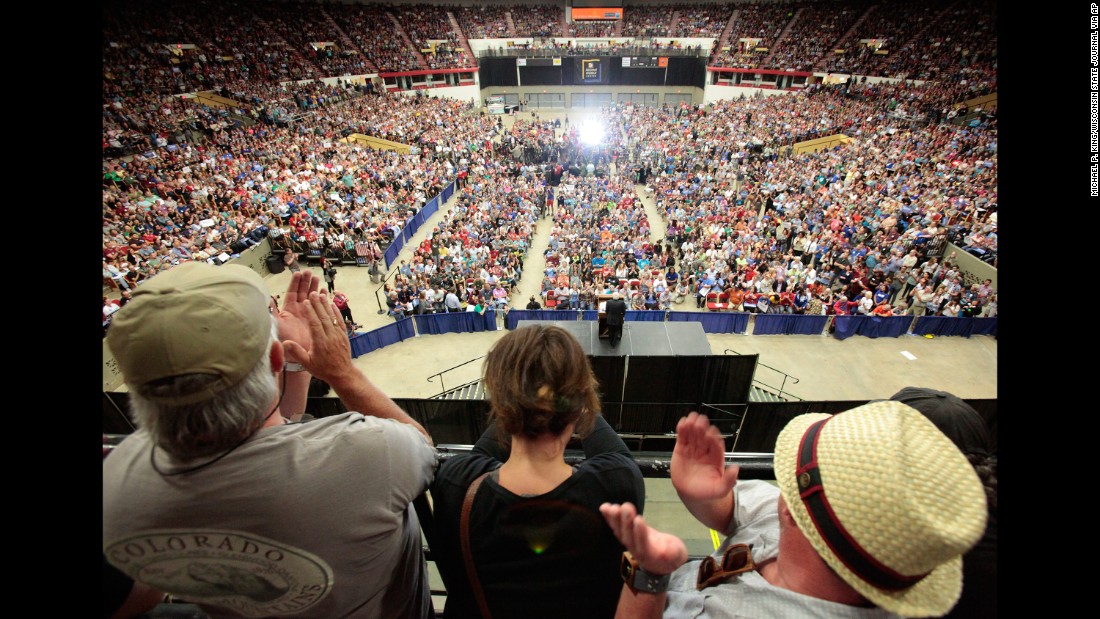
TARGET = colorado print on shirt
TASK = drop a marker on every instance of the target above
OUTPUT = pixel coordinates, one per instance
(252, 575)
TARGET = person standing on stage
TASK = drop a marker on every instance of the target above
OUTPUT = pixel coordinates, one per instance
(616, 314)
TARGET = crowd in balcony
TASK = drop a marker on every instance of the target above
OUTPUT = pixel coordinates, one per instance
(655, 21)
(814, 33)
(540, 20)
(961, 43)
(702, 20)
(179, 47)
(372, 30)
(483, 22)
(591, 29)
(757, 25)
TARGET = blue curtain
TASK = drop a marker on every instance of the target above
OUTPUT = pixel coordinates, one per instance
(984, 326)
(414, 223)
(383, 336)
(807, 324)
(883, 326)
(449, 322)
(771, 324)
(645, 315)
(846, 326)
(590, 314)
(516, 315)
(456, 322)
(943, 325)
(789, 324)
(391, 252)
(714, 322)
(483, 322)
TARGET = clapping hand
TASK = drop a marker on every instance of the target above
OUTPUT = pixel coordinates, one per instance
(315, 334)
(658, 553)
(293, 317)
(699, 471)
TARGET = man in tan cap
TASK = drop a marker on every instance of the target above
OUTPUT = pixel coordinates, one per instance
(220, 500)
(871, 513)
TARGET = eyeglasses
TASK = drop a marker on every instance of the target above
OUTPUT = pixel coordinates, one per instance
(736, 560)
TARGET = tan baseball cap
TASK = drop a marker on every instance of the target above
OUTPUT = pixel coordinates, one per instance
(195, 318)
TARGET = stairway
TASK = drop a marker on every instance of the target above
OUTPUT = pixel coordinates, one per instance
(916, 38)
(511, 23)
(782, 36)
(618, 30)
(298, 66)
(672, 24)
(346, 42)
(461, 39)
(564, 22)
(469, 391)
(759, 394)
(408, 42)
(724, 40)
(842, 42)
(862, 18)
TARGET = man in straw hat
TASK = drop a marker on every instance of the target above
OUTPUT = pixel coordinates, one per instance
(220, 500)
(965, 426)
(872, 511)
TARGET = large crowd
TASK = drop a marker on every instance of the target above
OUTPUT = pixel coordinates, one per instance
(204, 183)
(180, 47)
(218, 371)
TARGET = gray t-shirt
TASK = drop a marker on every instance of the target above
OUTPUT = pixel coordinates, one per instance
(755, 521)
(303, 520)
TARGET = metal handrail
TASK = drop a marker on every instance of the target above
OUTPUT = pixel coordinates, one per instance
(382, 286)
(781, 392)
(440, 374)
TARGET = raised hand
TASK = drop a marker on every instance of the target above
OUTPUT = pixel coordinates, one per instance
(329, 352)
(699, 472)
(294, 315)
(658, 553)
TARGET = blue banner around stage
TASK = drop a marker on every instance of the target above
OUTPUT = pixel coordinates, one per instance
(644, 316)
(414, 223)
(949, 325)
(455, 322)
(789, 324)
(714, 322)
(383, 336)
(516, 315)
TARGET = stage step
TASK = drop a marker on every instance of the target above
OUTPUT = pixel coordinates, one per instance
(759, 394)
(469, 391)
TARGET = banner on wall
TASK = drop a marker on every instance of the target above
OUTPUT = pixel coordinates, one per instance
(590, 71)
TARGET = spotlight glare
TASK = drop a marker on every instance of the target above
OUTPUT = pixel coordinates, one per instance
(591, 133)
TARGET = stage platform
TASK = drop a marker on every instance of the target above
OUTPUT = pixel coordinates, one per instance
(655, 339)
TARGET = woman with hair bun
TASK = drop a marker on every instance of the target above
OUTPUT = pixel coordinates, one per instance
(539, 546)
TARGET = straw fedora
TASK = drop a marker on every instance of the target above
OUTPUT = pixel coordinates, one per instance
(886, 499)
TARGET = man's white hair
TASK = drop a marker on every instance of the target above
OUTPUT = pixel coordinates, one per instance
(209, 427)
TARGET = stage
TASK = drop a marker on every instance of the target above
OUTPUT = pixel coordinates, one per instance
(652, 339)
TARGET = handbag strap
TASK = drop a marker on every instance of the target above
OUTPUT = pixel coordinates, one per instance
(464, 533)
